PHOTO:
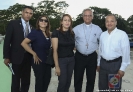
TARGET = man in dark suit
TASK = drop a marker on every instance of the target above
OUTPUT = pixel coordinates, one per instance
(14, 53)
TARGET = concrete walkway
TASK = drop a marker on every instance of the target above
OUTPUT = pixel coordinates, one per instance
(127, 81)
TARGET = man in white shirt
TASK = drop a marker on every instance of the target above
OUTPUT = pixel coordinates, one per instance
(114, 53)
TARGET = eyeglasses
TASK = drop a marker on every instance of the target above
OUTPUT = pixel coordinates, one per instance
(41, 20)
(87, 15)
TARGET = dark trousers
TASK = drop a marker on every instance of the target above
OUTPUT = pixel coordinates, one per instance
(81, 63)
(42, 76)
(107, 68)
(66, 66)
(21, 79)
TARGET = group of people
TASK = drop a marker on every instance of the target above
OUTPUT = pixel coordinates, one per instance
(25, 46)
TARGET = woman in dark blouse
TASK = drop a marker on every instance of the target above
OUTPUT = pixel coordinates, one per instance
(63, 44)
(40, 43)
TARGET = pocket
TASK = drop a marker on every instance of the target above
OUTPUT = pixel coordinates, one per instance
(101, 63)
(117, 65)
(73, 59)
(94, 38)
(115, 45)
(14, 50)
(116, 49)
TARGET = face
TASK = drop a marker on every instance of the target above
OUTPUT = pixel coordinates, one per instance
(87, 16)
(43, 22)
(27, 14)
(110, 23)
(66, 22)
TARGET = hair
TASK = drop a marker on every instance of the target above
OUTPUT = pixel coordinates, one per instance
(29, 7)
(70, 28)
(112, 15)
(87, 9)
(47, 27)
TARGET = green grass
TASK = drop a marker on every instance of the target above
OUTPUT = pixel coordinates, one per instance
(5, 74)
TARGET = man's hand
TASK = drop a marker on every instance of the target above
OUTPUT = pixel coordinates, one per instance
(98, 68)
(6, 61)
(121, 73)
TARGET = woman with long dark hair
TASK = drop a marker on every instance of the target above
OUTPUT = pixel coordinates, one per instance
(40, 43)
(63, 44)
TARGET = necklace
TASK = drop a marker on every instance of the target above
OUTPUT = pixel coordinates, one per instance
(89, 34)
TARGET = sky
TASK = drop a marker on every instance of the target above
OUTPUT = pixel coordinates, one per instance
(120, 7)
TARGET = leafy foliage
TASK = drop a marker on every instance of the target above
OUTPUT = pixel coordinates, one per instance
(55, 10)
(130, 23)
(99, 19)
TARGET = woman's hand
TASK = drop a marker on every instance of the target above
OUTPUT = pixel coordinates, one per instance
(98, 68)
(37, 60)
(57, 71)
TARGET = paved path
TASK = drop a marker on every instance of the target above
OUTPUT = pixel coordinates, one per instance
(127, 81)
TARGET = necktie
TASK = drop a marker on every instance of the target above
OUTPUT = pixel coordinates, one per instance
(26, 29)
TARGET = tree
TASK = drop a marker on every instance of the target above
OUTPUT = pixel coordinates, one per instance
(54, 10)
(130, 23)
(122, 23)
(13, 12)
(2, 21)
(99, 17)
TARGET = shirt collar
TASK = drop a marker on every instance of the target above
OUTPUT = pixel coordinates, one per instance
(87, 25)
(112, 31)
(23, 21)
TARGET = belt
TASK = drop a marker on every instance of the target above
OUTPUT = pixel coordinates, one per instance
(84, 55)
(114, 60)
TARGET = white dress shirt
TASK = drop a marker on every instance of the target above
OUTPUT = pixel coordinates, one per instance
(24, 25)
(87, 34)
(114, 45)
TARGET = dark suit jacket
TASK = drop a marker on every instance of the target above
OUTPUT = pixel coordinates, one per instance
(12, 44)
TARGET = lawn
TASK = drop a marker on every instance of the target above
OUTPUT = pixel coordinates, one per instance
(5, 74)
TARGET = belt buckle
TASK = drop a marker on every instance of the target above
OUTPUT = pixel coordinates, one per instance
(107, 60)
(87, 55)
(84, 55)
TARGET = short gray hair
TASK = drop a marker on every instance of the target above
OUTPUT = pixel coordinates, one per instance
(87, 9)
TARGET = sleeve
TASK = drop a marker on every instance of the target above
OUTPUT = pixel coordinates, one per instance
(99, 34)
(32, 35)
(99, 54)
(7, 40)
(55, 34)
(74, 30)
(125, 48)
